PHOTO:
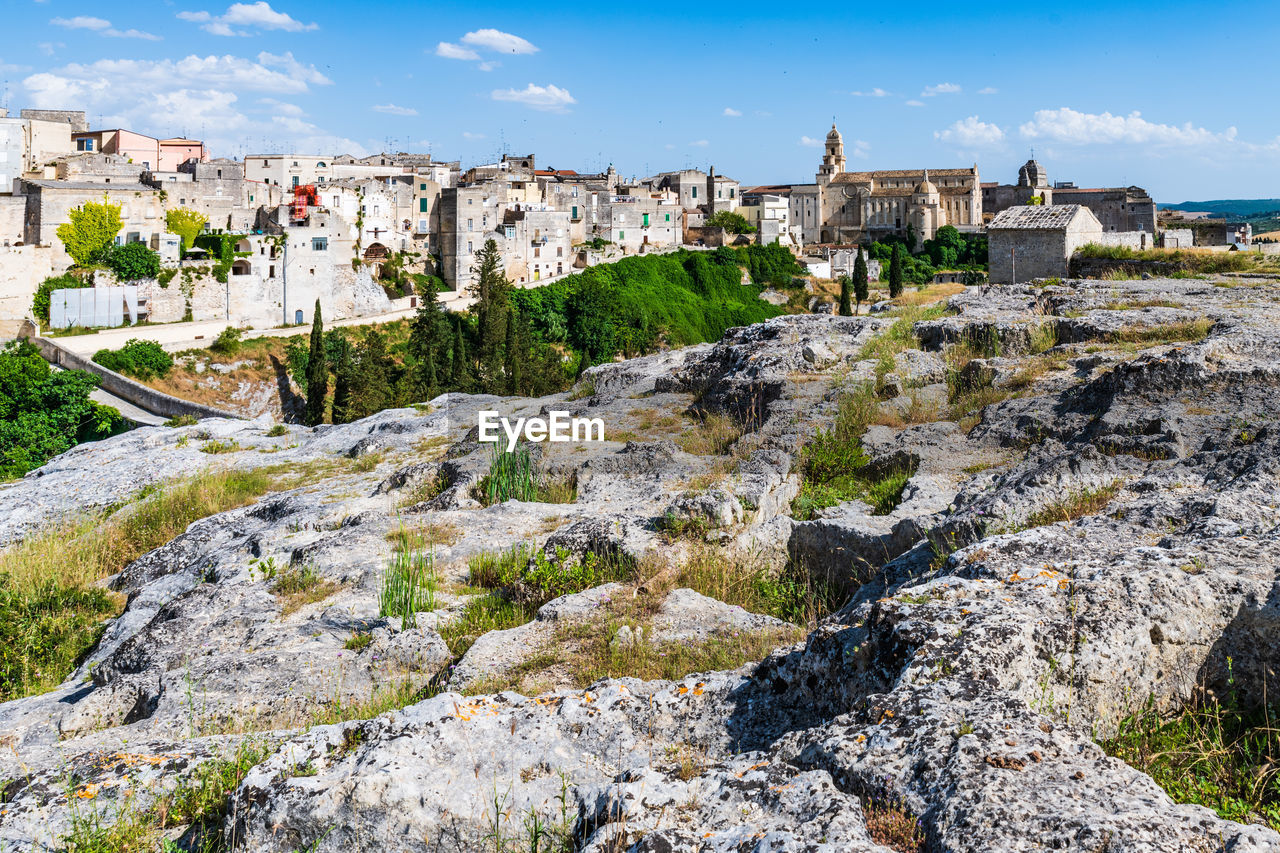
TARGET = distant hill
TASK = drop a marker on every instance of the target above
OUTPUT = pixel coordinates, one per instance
(1231, 208)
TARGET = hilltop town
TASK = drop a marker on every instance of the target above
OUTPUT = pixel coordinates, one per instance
(356, 233)
(894, 511)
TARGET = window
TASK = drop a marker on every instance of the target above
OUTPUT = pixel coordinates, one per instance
(265, 164)
(295, 180)
(668, 217)
(422, 187)
(422, 205)
(422, 226)
(84, 144)
(319, 244)
(470, 224)
(182, 201)
(646, 220)
(695, 192)
(537, 252)
(731, 192)
(574, 215)
(469, 249)
(559, 252)
(622, 235)
(219, 174)
(271, 271)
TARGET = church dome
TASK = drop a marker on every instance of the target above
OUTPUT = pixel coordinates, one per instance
(926, 187)
(834, 135)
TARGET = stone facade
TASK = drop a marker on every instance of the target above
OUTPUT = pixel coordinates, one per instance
(48, 204)
(1117, 208)
(1037, 241)
(860, 206)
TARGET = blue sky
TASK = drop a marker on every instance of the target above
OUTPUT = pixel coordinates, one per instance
(1109, 94)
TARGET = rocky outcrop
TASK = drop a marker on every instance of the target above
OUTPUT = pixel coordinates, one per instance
(1103, 532)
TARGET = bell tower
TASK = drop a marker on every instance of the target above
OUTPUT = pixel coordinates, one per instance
(833, 159)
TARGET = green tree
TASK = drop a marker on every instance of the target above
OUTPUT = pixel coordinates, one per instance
(895, 272)
(846, 304)
(45, 412)
(460, 374)
(340, 361)
(591, 310)
(861, 284)
(317, 372)
(734, 223)
(492, 291)
(187, 224)
(92, 229)
(428, 342)
(133, 261)
(375, 374)
(514, 357)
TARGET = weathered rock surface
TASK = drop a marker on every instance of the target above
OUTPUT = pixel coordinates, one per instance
(1107, 534)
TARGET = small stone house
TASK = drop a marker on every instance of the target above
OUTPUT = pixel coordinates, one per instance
(1037, 241)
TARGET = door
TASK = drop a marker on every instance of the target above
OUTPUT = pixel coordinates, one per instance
(297, 316)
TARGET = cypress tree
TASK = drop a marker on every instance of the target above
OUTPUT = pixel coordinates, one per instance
(491, 290)
(846, 306)
(317, 372)
(459, 360)
(430, 382)
(861, 284)
(895, 272)
(428, 341)
(374, 374)
(342, 386)
(513, 356)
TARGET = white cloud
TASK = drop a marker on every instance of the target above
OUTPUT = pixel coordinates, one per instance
(731, 112)
(102, 27)
(548, 98)
(257, 16)
(195, 95)
(393, 110)
(988, 90)
(455, 51)
(669, 147)
(466, 134)
(498, 41)
(48, 47)
(915, 103)
(874, 93)
(1068, 125)
(699, 143)
(940, 89)
(971, 132)
(488, 65)
(281, 107)
(861, 149)
(810, 142)
(81, 22)
(295, 69)
(9, 68)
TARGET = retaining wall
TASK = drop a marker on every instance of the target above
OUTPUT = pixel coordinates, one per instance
(156, 402)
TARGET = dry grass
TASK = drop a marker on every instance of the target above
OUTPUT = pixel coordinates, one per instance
(423, 536)
(929, 295)
(298, 586)
(51, 606)
(1075, 505)
(713, 434)
(1166, 333)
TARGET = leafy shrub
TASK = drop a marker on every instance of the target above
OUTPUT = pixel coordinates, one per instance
(227, 342)
(277, 430)
(182, 421)
(137, 358)
(133, 261)
(511, 476)
(44, 413)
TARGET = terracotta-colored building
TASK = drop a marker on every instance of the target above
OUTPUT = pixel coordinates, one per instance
(138, 148)
(178, 150)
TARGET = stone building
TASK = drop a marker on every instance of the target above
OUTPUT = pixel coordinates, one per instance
(48, 204)
(30, 141)
(1037, 241)
(860, 206)
(1117, 208)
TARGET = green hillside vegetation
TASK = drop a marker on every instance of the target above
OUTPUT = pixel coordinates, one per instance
(639, 304)
(1230, 208)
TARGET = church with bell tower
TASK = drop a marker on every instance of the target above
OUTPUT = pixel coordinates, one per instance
(863, 206)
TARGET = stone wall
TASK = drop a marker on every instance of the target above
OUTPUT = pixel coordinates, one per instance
(1039, 254)
(1137, 240)
(125, 388)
